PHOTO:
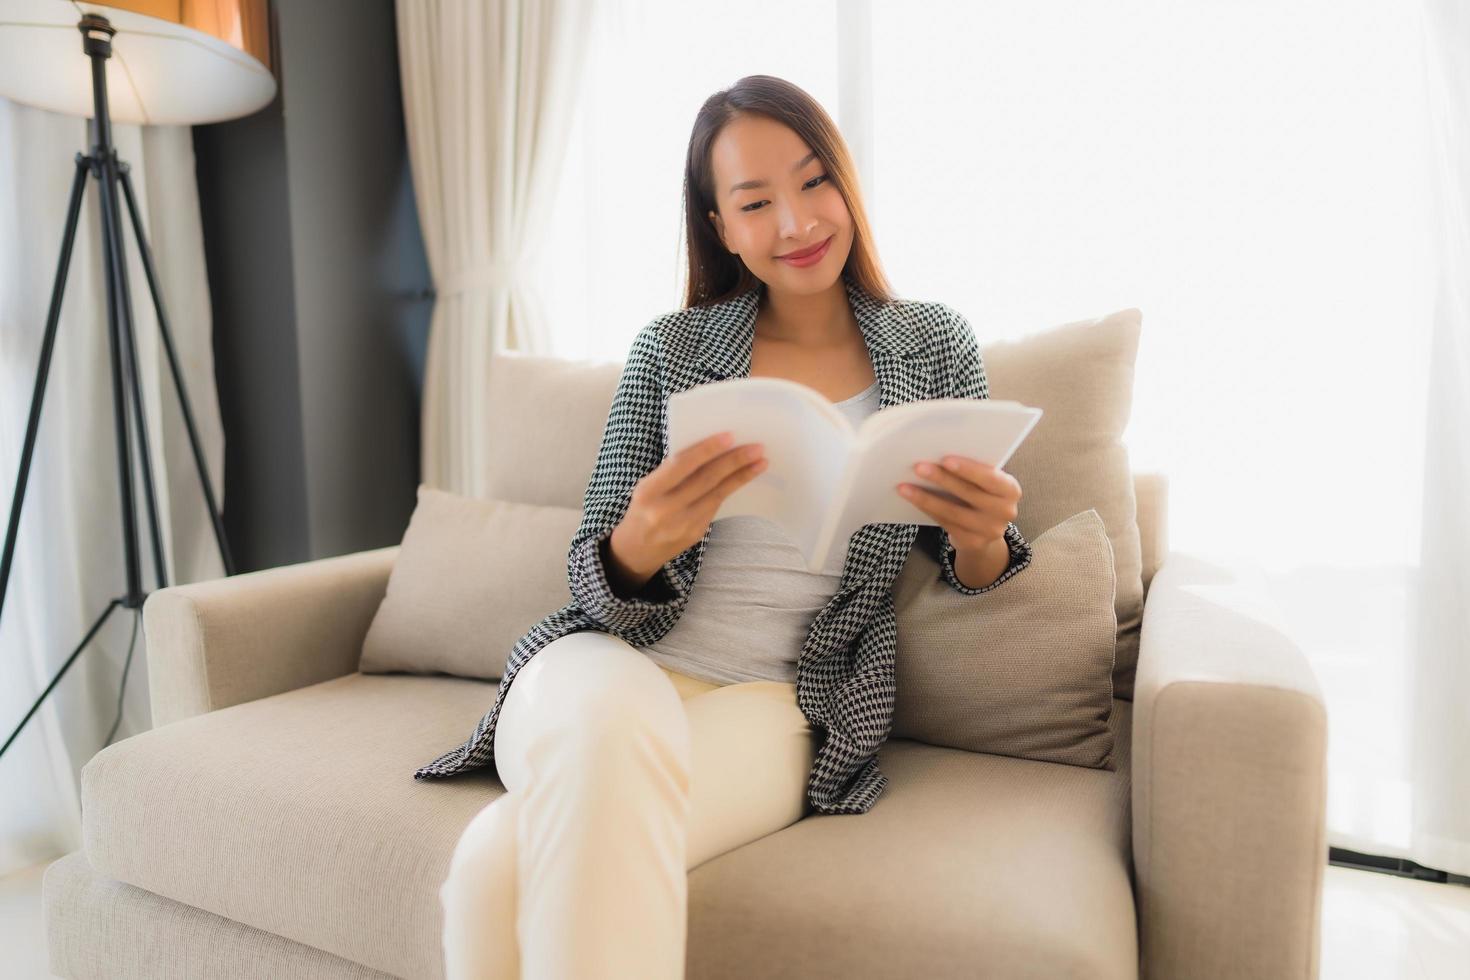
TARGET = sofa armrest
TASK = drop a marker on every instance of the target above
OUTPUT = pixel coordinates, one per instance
(235, 639)
(1229, 781)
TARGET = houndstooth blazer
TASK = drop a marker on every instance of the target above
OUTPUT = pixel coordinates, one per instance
(845, 682)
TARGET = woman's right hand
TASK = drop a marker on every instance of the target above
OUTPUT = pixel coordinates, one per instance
(673, 505)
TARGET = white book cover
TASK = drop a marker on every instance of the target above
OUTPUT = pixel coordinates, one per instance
(825, 479)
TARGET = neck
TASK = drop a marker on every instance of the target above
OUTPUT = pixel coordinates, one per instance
(808, 319)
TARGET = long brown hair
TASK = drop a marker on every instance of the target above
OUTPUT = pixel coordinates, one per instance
(714, 274)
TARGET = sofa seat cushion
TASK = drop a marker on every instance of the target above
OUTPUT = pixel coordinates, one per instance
(292, 813)
(969, 865)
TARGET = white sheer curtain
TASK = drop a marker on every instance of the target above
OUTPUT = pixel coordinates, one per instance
(1439, 737)
(619, 258)
(69, 560)
(1255, 177)
(487, 88)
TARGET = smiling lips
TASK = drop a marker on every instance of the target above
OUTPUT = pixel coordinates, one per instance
(807, 254)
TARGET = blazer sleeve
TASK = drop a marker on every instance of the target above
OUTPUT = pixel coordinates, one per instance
(632, 446)
(967, 380)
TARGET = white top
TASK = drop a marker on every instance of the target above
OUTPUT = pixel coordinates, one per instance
(753, 601)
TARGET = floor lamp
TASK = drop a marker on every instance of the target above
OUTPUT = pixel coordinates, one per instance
(171, 63)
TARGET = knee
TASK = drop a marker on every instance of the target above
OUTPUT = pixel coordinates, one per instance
(599, 690)
(623, 718)
(485, 852)
(597, 679)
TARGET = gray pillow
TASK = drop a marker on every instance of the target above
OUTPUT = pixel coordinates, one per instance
(1025, 670)
(471, 578)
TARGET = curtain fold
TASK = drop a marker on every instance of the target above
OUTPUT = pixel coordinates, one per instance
(1439, 833)
(488, 94)
(69, 559)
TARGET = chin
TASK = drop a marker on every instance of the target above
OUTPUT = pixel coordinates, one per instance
(808, 285)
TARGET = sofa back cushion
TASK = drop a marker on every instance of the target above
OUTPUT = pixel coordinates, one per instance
(539, 456)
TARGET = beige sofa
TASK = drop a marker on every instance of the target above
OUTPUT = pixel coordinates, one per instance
(269, 825)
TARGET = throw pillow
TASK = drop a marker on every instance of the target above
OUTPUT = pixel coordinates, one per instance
(472, 576)
(1024, 670)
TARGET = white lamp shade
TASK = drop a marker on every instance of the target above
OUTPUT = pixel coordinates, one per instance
(162, 71)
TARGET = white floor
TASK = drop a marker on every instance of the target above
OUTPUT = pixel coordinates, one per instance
(1374, 927)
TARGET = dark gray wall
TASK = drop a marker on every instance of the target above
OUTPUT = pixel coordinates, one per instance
(241, 170)
(317, 274)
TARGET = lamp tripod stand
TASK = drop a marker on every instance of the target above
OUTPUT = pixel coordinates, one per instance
(111, 175)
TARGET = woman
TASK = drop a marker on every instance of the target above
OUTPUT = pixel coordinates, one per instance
(655, 726)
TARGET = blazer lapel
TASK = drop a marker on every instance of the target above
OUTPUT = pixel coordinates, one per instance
(727, 336)
(895, 347)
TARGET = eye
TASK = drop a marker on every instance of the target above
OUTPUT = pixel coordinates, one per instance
(807, 186)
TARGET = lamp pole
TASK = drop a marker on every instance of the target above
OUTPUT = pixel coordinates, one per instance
(111, 175)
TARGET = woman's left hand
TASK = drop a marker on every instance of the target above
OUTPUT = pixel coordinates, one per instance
(987, 494)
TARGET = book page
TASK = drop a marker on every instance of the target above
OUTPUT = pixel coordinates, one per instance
(890, 442)
(807, 442)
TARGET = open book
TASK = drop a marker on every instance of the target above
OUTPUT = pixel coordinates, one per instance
(825, 480)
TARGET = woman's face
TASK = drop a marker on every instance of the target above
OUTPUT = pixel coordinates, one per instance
(795, 206)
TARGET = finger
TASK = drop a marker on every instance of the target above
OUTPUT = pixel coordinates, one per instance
(985, 507)
(955, 484)
(678, 466)
(954, 516)
(730, 484)
(988, 477)
(708, 476)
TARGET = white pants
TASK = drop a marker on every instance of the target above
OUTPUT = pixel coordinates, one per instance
(621, 776)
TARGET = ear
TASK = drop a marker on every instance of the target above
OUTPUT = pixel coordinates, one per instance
(719, 229)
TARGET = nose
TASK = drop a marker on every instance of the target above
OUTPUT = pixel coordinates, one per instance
(796, 222)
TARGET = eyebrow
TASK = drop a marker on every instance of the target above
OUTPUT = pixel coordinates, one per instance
(747, 184)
